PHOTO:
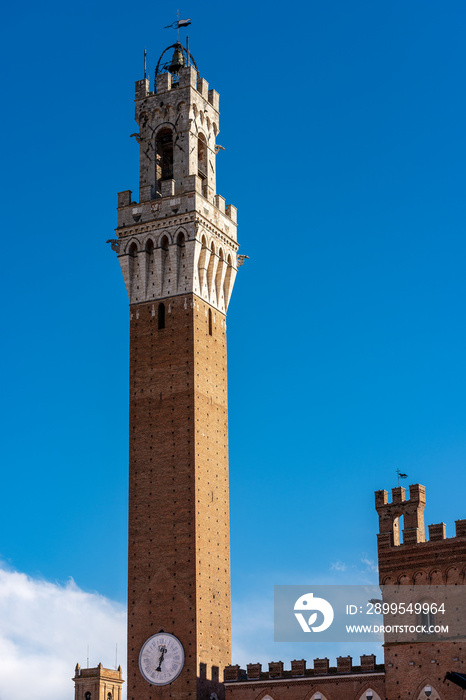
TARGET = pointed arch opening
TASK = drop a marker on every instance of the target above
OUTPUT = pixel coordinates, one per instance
(210, 269)
(150, 263)
(218, 276)
(398, 525)
(427, 692)
(164, 156)
(369, 694)
(227, 282)
(202, 162)
(202, 264)
(180, 258)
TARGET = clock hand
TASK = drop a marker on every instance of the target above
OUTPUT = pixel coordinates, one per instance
(164, 651)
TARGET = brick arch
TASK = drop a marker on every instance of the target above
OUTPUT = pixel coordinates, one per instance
(404, 582)
(361, 693)
(388, 581)
(453, 575)
(421, 578)
(436, 576)
(419, 692)
(267, 695)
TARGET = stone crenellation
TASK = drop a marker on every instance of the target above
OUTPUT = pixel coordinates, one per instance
(321, 667)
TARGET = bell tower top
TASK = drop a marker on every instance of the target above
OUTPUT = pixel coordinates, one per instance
(178, 126)
(180, 237)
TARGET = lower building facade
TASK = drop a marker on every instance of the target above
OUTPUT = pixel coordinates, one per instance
(421, 670)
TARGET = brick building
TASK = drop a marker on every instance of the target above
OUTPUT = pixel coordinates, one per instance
(177, 247)
(410, 670)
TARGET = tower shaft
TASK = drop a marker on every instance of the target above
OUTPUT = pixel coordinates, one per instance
(179, 557)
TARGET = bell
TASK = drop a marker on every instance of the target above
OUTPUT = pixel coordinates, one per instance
(177, 60)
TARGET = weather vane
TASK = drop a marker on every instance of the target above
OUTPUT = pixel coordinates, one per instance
(400, 475)
(178, 23)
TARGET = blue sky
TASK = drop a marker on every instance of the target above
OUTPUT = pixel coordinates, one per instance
(343, 125)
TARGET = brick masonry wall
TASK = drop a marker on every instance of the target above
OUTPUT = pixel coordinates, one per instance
(178, 568)
(410, 667)
(333, 688)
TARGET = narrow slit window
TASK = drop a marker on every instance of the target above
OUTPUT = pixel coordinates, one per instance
(161, 316)
(210, 321)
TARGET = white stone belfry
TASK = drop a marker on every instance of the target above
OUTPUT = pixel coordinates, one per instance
(180, 237)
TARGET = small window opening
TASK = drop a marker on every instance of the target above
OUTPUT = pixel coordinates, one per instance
(164, 156)
(161, 318)
(398, 525)
(202, 156)
(210, 321)
(88, 696)
(202, 162)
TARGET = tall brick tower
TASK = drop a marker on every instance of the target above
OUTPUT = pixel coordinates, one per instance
(177, 249)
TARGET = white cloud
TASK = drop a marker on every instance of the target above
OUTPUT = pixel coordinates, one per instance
(45, 629)
(338, 566)
(370, 564)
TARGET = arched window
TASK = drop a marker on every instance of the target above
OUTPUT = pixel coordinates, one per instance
(109, 696)
(88, 696)
(161, 318)
(202, 156)
(133, 249)
(398, 526)
(164, 156)
(210, 321)
(202, 162)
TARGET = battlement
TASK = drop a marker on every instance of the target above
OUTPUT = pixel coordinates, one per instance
(98, 672)
(321, 668)
(412, 511)
(187, 78)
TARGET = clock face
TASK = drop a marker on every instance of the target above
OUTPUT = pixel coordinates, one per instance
(161, 658)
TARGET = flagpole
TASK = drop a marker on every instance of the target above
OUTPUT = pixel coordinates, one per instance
(177, 26)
